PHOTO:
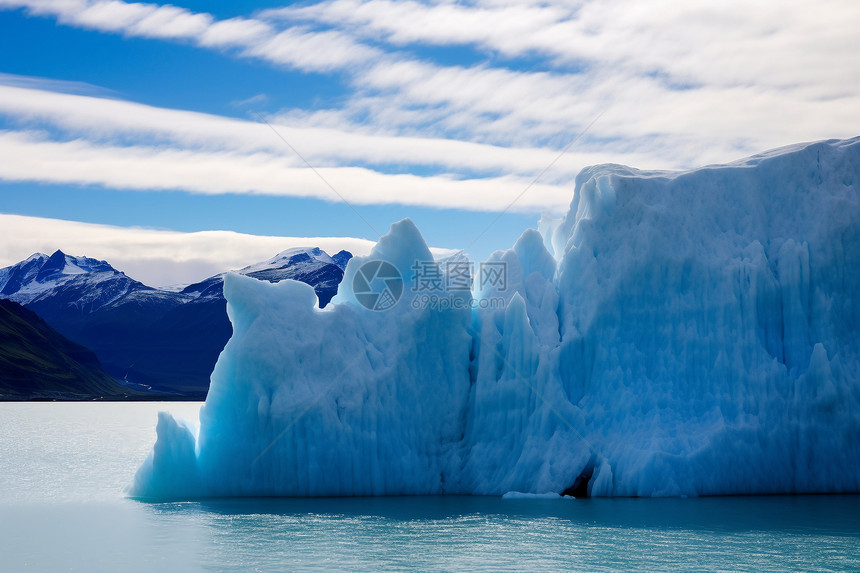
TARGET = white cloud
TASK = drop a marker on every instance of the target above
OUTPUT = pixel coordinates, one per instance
(155, 257)
(27, 157)
(711, 41)
(100, 119)
(234, 33)
(212, 154)
(683, 84)
(726, 78)
(307, 50)
(294, 47)
(508, 28)
(698, 81)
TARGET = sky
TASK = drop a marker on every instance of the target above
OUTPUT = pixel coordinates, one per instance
(180, 140)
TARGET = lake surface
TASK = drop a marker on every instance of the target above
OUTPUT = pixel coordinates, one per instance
(64, 468)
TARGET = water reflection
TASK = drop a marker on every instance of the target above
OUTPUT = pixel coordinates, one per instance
(488, 533)
(825, 514)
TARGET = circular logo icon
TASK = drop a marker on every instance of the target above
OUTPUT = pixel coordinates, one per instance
(377, 285)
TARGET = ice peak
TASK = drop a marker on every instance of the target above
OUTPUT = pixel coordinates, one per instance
(402, 246)
(533, 255)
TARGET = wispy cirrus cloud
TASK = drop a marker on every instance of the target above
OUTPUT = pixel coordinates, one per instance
(69, 138)
(680, 85)
(106, 119)
(509, 28)
(711, 41)
(663, 69)
(291, 46)
(30, 157)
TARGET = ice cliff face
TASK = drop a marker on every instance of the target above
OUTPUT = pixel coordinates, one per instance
(675, 334)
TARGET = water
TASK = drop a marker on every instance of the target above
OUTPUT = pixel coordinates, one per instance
(64, 467)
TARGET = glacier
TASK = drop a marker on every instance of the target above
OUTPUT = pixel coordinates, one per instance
(674, 334)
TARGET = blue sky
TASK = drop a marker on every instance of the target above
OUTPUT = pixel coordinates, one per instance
(144, 123)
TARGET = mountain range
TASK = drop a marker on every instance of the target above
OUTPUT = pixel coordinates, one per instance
(163, 342)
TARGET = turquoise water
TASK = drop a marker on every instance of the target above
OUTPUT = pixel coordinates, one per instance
(64, 467)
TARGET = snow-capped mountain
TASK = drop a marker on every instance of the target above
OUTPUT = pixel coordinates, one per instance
(161, 339)
(341, 258)
(81, 283)
(308, 265)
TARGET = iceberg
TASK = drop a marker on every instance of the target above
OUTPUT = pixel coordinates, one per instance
(675, 334)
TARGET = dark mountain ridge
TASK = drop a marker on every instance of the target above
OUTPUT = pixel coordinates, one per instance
(163, 341)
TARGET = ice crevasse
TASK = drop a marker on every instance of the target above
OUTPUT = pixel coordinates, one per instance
(689, 333)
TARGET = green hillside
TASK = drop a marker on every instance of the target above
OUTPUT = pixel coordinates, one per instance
(38, 363)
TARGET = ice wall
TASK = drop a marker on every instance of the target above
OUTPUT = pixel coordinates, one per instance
(710, 323)
(690, 333)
